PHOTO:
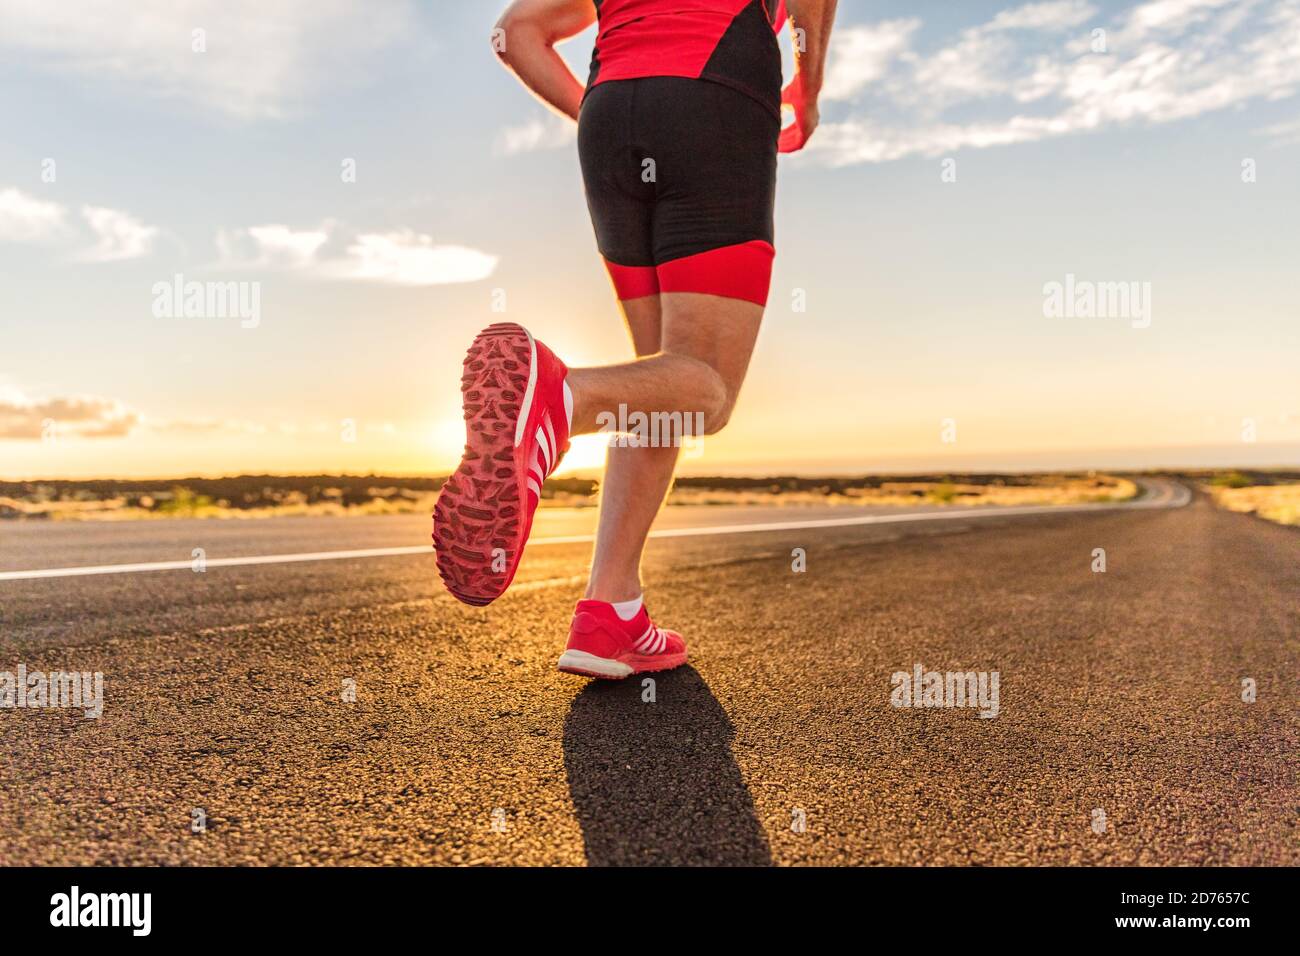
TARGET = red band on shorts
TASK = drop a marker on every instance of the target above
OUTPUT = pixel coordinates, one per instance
(633, 282)
(742, 271)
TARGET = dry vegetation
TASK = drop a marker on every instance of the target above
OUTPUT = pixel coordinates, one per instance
(261, 496)
(1026, 490)
(1278, 502)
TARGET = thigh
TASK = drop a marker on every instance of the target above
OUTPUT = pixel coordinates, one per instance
(718, 331)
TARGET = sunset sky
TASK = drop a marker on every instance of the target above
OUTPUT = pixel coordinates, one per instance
(1154, 143)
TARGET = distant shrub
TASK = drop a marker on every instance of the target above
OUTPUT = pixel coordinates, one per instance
(944, 493)
(1233, 479)
(184, 502)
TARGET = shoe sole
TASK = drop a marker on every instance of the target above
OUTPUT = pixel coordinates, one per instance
(605, 668)
(480, 511)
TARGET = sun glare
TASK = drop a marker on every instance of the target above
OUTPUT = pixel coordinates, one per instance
(586, 456)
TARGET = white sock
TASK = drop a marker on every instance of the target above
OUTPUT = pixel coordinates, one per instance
(568, 404)
(626, 610)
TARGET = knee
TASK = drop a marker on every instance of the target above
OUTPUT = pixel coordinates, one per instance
(713, 399)
(720, 403)
(716, 423)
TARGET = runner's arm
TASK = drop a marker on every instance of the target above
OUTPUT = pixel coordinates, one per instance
(815, 18)
(525, 39)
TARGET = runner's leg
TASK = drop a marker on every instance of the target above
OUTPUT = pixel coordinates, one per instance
(717, 332)
(635, 483)
(663, 382)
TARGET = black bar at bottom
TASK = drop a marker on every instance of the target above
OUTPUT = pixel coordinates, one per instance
(336, 905)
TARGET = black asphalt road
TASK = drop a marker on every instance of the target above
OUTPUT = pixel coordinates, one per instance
(1120, 694)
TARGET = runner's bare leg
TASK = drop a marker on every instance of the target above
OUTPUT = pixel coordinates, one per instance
(718, 332)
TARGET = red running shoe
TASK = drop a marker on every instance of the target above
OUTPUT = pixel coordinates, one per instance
(602, 644)
(516, 431)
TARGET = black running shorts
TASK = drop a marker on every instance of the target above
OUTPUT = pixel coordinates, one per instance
(681, 181)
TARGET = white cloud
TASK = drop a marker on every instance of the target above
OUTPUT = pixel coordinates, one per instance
(406, 258)
(860, 55)
(271, 246)
(402, 257)
(549, 132)
(119, 235)
(1171, 16)
(1165, 60)
(976, 66)
(24, 218)
(297, 247)
(259, 60)
(79, 416)
(93, 416)
(1054, 15)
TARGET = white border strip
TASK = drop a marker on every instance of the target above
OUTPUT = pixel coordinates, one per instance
(1158, 501)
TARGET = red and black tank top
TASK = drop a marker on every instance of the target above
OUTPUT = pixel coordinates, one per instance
(732, 42)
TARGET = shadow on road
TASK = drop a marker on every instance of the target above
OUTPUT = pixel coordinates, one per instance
(656, 783)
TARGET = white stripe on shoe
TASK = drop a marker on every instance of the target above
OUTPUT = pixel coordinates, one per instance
(643, 643)
(653, 641)
(544, 449)
(554, 455)
(544, 459)
(536, 474)
(527, 406)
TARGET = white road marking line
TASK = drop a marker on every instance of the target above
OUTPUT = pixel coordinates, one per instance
(1164, 498)
(212, 563)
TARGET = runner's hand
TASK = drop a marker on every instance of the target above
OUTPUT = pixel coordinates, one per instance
(806, 117)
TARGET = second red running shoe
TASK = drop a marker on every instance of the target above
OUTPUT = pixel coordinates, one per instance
(602, 644)
(516, 432)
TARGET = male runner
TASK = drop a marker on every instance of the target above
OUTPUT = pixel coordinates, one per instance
(678, 129)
